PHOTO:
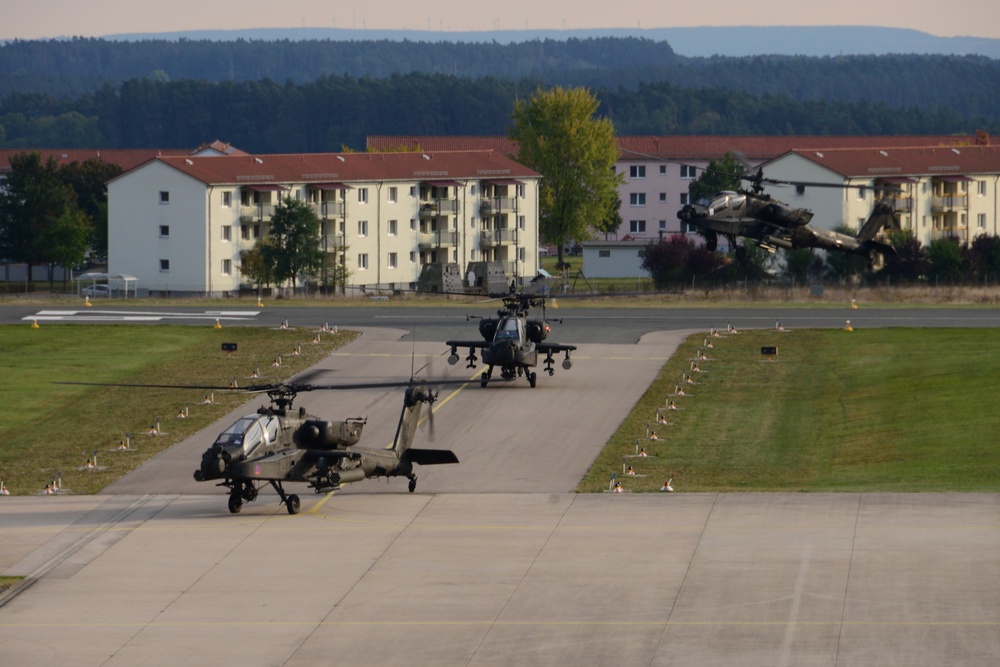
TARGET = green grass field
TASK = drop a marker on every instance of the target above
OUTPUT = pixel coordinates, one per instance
(869, 410)
(48, 428)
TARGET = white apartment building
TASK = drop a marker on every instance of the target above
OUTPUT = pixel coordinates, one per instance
(938, 191)
(179, 224)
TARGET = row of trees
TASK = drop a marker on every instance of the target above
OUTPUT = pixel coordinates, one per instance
(70, 68)
(336, 111)
(54, 214)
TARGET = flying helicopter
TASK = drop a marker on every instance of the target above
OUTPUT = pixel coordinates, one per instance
(772, 224)
(278, 444)
(512, 341)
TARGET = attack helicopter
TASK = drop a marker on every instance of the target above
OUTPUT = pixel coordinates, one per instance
(512, 341)
(278, 444)
(771, 224)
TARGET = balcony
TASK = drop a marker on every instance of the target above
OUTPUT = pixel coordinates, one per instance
(332, 242)
(902, 204)
(431, 240)
(496, 237)
(494, 205)
(325, 210)
(256, 212)
(949, 203)
(438, 207)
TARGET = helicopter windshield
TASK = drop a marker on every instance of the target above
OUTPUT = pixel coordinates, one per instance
(509, 329)
(249, 432)
(724, 201)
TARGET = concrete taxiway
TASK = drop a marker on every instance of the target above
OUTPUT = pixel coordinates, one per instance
(496, 561)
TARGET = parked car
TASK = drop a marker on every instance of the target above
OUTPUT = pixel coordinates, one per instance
(97, 290)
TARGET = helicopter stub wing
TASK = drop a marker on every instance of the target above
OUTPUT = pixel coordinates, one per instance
(480, 344)
(551, 348)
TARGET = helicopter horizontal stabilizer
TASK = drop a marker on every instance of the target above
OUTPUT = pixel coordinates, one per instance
(430, 457)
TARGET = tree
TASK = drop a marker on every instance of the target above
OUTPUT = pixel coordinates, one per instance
(33, 201)
(294, 234)
(612, 219)
(945, 260)
(89, 181)
(799, 263)
(575, 153)
(256, 264)
(722, 174)
(676, 260)
(67, 239)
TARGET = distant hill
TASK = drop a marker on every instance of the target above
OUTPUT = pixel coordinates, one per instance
(691, 42)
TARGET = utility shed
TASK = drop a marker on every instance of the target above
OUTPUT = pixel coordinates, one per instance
(614, 259)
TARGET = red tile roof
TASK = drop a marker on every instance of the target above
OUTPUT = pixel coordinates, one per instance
(327, 167)
(685, 147)
(890, 162)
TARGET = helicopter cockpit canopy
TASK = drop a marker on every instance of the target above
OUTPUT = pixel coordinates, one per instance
(509, 329)
(724, 201)
(249, 433)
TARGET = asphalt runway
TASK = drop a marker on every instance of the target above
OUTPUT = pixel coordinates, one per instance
(496, 561)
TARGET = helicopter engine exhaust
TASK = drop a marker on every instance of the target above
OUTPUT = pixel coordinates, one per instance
(777, 241)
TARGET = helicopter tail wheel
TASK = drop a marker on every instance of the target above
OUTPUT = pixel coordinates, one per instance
(235, 502)
(711, 241)
(293, 504)
(532, 379)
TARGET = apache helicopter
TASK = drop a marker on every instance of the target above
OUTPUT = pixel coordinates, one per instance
(512, 341)
(278, 444)
(772, 224)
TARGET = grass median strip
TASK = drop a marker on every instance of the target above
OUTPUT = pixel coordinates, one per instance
(868, 410)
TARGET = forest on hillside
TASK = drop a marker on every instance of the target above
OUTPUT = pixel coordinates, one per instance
(288, 96)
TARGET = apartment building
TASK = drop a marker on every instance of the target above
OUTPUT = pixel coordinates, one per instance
(179, 224)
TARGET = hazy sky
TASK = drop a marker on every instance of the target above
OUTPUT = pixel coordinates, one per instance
(34, 19)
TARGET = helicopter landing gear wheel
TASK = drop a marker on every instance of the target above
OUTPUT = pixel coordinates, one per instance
(413, 484)
(483, 379)
(532, 379)
(235, 502)
(293, 504)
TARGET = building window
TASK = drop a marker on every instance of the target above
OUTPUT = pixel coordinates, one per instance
(393, 195)
(164, 231)
(861, 193)
(227, 233)
(413, 257)
(227, 199)
(413, 191)
(685, 198)
(362, 195)
(227, 267)
(981, 221)
(520, 255)
(473, 254)
(393, 227)
(637, 226)
(637, 171)
(164, 265)
(362, 228)
(687, 171)
(521, 222)
(663, 197)
(663, 225)
(164, 197)
(413, 224)
(391, 262)
(363, 262)
(981, 188)
(604, 253)
(520, 190)
(637, 199)
(663, 170)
